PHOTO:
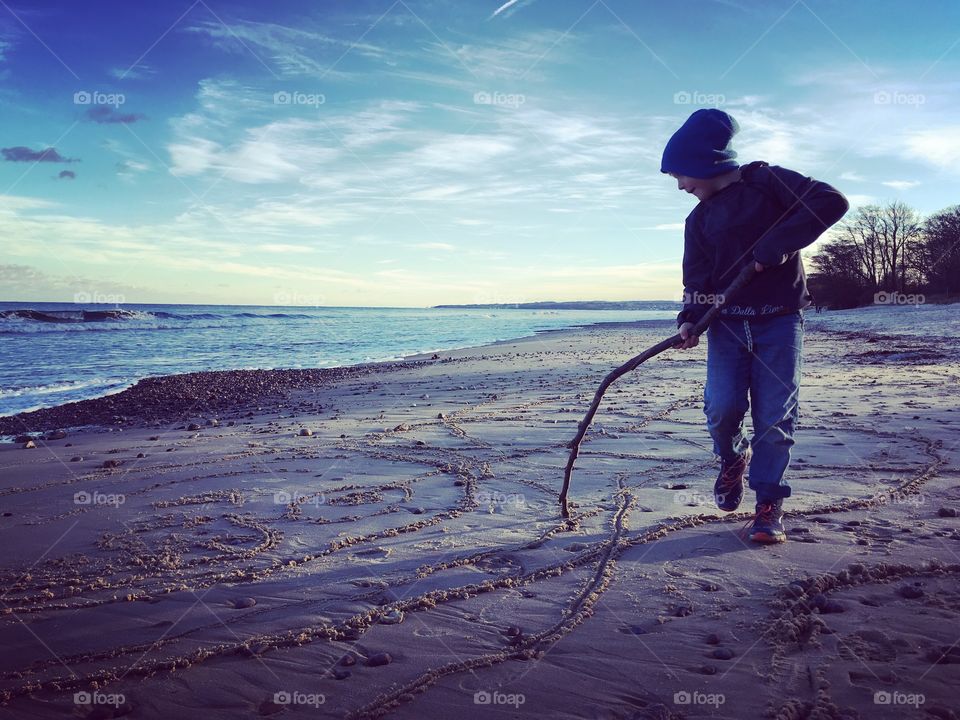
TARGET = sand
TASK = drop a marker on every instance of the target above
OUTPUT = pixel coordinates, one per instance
(387, 543)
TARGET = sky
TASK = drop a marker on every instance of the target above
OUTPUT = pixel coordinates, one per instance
(422, 152)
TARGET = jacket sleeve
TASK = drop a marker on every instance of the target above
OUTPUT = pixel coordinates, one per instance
(810, 206)
(697, 271)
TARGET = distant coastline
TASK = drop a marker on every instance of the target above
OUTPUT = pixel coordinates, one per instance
(668, 305)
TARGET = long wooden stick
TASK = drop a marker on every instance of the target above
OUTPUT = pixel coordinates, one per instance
(738, 282)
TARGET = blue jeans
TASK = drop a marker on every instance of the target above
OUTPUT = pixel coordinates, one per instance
(762, 356)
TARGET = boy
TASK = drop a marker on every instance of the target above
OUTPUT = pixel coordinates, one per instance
(761, 214)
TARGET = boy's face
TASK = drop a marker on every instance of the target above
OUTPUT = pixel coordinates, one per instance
(701, 188)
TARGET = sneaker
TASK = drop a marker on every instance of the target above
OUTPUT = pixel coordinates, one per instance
(768, 523)
(728, 489)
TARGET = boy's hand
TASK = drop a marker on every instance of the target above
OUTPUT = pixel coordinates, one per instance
(689, 340)
(758, 267)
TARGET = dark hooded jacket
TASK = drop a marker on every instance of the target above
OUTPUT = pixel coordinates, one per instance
(767, 216)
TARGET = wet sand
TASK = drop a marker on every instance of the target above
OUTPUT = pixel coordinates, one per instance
(386, 542)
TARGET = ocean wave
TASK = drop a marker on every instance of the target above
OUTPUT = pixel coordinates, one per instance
(28, 320)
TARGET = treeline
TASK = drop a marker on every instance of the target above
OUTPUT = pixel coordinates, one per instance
(888, 253)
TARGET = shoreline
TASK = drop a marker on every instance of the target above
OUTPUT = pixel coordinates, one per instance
(76, 413)
(102, 409)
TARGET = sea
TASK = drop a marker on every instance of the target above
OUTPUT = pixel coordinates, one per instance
(54, 353)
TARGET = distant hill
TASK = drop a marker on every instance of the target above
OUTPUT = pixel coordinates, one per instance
(665, 305)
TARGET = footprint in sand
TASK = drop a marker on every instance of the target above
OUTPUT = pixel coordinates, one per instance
(373, 553)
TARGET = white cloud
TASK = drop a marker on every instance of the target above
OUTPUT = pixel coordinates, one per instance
(939, 147)
(434, 246)
(901, 184)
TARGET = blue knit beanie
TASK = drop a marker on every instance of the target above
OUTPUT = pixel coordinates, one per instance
(701, 147)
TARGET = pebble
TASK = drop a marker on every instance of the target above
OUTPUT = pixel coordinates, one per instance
(193, 426)
(911, 592)
(713, 639)
(29, 445)
(242, 603)
(945, 512)
(112, 463)
(392, 617)
(722, 653)
(306, 432)
(379, 659)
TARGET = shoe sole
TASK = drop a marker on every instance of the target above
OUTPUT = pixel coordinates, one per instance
(762, 537)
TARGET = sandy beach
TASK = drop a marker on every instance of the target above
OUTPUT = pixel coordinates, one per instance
(385, 541)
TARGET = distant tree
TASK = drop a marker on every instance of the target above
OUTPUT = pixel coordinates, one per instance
(839, 279)
(940, 260)
(887, 242)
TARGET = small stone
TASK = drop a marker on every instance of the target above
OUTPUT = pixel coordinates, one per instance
(713, 639)
(513, 631)
(76, 458)
(348, 660)
(379, 659)
(722, 653)
(947, 512)
(192, 427)
(392, 617)
(56, 435)
(112, 463)
(911, 592)
(213, 422)
(708, 669)
(833, 606)
(242, 603)
(29, 445)
(141, 455)
(340, 674)
(306, 432)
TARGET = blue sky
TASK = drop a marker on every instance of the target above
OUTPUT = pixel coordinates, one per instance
(413, 153)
